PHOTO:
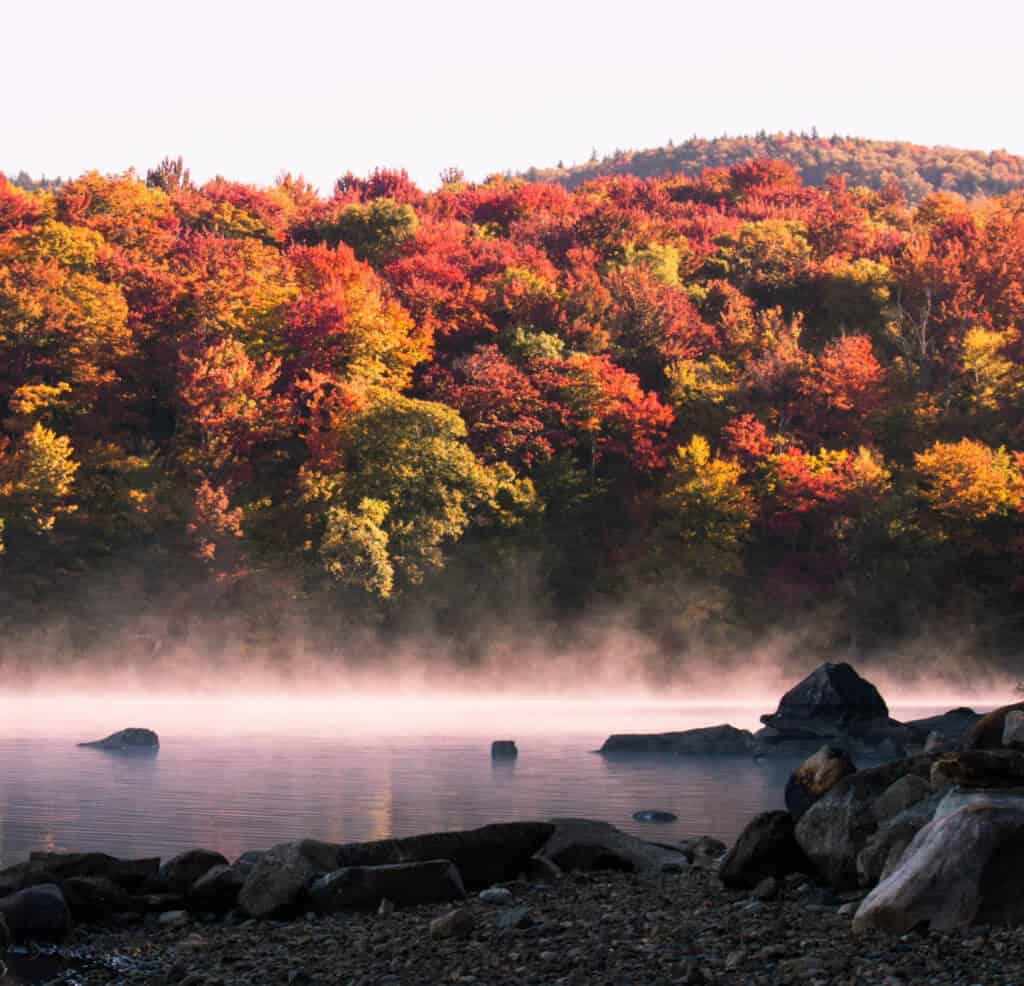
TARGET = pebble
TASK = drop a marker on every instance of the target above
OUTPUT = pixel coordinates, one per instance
(498, 896)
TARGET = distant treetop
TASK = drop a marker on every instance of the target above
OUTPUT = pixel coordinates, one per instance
(875, 163)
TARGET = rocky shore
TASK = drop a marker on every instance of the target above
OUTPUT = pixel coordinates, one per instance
(907, 871)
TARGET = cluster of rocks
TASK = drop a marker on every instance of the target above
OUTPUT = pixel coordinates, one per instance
(833, 705)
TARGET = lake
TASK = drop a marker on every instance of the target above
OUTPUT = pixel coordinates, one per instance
(237, 773)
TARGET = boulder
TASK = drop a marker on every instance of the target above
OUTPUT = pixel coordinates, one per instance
(900, 795)
(835, 828)
(459, 923)
(581, 844)
(722, 740)
(402, 883)
(961, 869)
(53, 867)
(37, 913)
(95, 899)
(180, 872)
(766, 847)
(815, 777)
(276, 885)
(987, 732)
(978, 768)
(884, 849)
(831, 693)
(484, 856)
(950, 727)
(1013, 730)
(504, 750)
(217, 889)
(127, 739)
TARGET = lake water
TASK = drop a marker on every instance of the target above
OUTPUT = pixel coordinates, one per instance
(234, 774)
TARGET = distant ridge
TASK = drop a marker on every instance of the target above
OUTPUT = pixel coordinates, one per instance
(919, 170)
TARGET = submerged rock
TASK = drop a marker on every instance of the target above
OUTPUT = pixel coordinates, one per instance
(581, 844)
(815, 777)
(662, 817)
(127, 739)
(710, 741)
(766, 847)
(504, 750)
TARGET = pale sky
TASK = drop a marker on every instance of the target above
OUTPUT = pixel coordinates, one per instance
(251, 88)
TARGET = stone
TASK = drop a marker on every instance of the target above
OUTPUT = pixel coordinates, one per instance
(497, 896)
(404, 884)
(835, 828)
(883, 850)
(581, 844)
(815, 777)
(126, 740)
(95, 899)
(179, 873)
(766, 847)
(217, 889)
(653, 816)
(987, 732)
(936, 742)
(504, 750)
(704, 853)
(721, 740)
(5, 936)
(831, 692)
(949, 728)
(541, 870)
(767, 889)
(978, 768)
(53, 867)
(276, 886)
(173, 919)
(513, 918)
(962, 869)
(1013, 730)
(37, 913)
(900, 795)
(459, 923)
(386, 907)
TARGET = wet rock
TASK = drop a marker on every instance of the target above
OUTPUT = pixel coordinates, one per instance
(402, 883)
(721, 740)
(815, 777)
(217, 889)
(659, 817)
(581, 844)
(1013, 730)
(978, 768)
(987, 732)
(179, 873)
(459, 923)
(497, 896)
(835, 828)
(513, 918)
(93, 899)
(766, 847)
(38, 913)
(127, 739)
(961, 869)
(504, 750)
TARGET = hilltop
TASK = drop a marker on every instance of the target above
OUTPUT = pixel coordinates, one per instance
(874, 163)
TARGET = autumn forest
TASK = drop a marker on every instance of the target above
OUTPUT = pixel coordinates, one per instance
(714, 405)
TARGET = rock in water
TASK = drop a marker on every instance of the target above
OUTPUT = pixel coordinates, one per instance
(987, 732)
(766, 847)
(37, 914)
(662, 817)
(404, 884)
(833, 692)
(815, 777)
(964, 868)
(504, 750)
(722, 740)
(127, 739)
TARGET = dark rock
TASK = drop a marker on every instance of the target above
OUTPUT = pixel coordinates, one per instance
(900, 795)
(127, 739)
(504, 750)
(402, 883)
(497, 896)
(541, 870)
(513, 918)
(978, 768)
(217, 889)
(815, 777)
(766, 847)
(654, 816)
(459, 923)
(961, 869)
(95, 899)
(48, 867)
(180, 872)
(704, 852)
(987, 732)
(767, 889)
(38, 913)
(831, 692)
(1013, 730)
(276, 886)
(722, 740)
(581, 844)
(951, 726)
(5, 936)
(835, 828)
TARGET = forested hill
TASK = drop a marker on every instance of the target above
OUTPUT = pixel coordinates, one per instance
(919, 170)
(721, 405)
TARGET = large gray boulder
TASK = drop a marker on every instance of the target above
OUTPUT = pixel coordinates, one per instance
(127, 740)
(815, 777)
(37, 913)
(582, 844)
(276, 886)
(721, 740)
(403, 884)
(834, 830)
(832, 692)
(765, 848)
(963, 868)
(896, 827)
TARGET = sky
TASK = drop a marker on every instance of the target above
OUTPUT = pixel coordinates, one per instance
(255, 88)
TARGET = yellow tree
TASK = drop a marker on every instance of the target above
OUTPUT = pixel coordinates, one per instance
(967, 481)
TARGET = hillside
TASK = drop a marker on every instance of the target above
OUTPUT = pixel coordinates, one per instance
(919, 170)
